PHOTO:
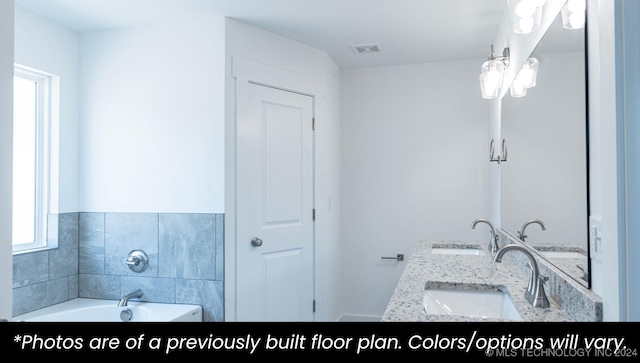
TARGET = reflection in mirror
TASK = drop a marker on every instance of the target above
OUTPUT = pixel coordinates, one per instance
(544, 182)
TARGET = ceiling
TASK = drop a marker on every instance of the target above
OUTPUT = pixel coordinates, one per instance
(408, 31)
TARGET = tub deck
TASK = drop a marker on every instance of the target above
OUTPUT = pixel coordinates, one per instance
(97, 310)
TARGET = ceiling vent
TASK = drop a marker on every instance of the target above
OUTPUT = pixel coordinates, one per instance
(366, 48)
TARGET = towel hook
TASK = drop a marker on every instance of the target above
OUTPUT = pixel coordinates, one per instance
(504, 150)
(492, 151)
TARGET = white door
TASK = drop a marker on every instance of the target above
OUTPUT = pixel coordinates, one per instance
(274, 207)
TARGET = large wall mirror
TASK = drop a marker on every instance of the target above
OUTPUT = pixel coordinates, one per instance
(544, 181)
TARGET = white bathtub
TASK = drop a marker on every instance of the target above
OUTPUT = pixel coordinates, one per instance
(96, 310)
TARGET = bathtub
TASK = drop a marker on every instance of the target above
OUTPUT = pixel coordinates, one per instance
(97, 310)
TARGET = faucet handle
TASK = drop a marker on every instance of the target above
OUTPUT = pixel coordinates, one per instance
(585, 273)
(529, 293)
(137, 260)
(540, 296)
(521, 235)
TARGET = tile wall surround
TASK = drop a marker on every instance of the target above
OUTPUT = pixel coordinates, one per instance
(186, 261)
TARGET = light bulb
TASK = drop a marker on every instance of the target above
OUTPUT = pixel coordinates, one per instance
(528, 73)
(525, 8)
(518, 89)
(538, 3)
(577, 20)
(491, 82)
(574, 14)
(526, 15)
(491, 78)
(526, 24)
(576, 6)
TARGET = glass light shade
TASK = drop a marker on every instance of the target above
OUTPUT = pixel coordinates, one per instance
(540, 2)
(491, 78)
(574, 14)
(517, 88)
(526, 78)
(529, 73)
(526, 15)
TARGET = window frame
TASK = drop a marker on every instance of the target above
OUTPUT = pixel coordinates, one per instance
(46, 157)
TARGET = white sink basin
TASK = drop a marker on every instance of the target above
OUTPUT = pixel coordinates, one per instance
(472, 303)
(457, 251)
(562, 254)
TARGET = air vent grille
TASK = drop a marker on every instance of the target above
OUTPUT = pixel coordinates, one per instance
(366, 48)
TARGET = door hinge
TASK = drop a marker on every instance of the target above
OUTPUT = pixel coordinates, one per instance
(314, 306)
(313, 214)
(313, 123)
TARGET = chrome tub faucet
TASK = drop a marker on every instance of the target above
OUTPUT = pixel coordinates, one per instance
(132, 295)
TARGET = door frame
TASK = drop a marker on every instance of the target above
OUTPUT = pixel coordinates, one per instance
(6, 158)
(243, 72)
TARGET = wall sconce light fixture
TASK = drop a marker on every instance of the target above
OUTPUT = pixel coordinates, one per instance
(492, 73)
(574, 14)
(526, 78)
(526, 15)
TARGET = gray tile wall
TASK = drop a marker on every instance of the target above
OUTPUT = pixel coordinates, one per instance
(48, 277)
(185, 261)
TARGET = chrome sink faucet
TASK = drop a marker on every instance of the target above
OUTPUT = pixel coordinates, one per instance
(521, 234)
(493, 243)
(132, 295)
(535, 291)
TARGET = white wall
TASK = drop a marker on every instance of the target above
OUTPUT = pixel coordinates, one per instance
(152, 130)
(53, 48)
(6, 152)
(414, 166)
(248, 42)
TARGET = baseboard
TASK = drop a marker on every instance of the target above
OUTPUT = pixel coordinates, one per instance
(359, 318)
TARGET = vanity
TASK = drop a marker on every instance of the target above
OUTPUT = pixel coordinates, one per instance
(468, 267)
(543, 195)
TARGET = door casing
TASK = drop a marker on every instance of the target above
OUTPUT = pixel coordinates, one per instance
(244, 72)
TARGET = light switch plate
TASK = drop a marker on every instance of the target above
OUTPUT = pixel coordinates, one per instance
(595, 238)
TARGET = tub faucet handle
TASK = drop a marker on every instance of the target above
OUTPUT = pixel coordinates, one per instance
(137, 260)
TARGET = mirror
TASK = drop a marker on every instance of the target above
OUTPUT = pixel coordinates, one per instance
(545, 175)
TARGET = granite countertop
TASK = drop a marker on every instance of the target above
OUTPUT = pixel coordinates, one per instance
(569, 265)
(425, 269)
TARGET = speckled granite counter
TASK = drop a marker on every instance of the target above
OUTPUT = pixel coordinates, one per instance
(425, 269)
(573, 266)
(578, 301)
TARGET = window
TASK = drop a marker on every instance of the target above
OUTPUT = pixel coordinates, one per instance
(34, 156)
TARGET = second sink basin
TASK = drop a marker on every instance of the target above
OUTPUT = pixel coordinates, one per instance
(472, 303)
(562, 254)
(457, 249)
